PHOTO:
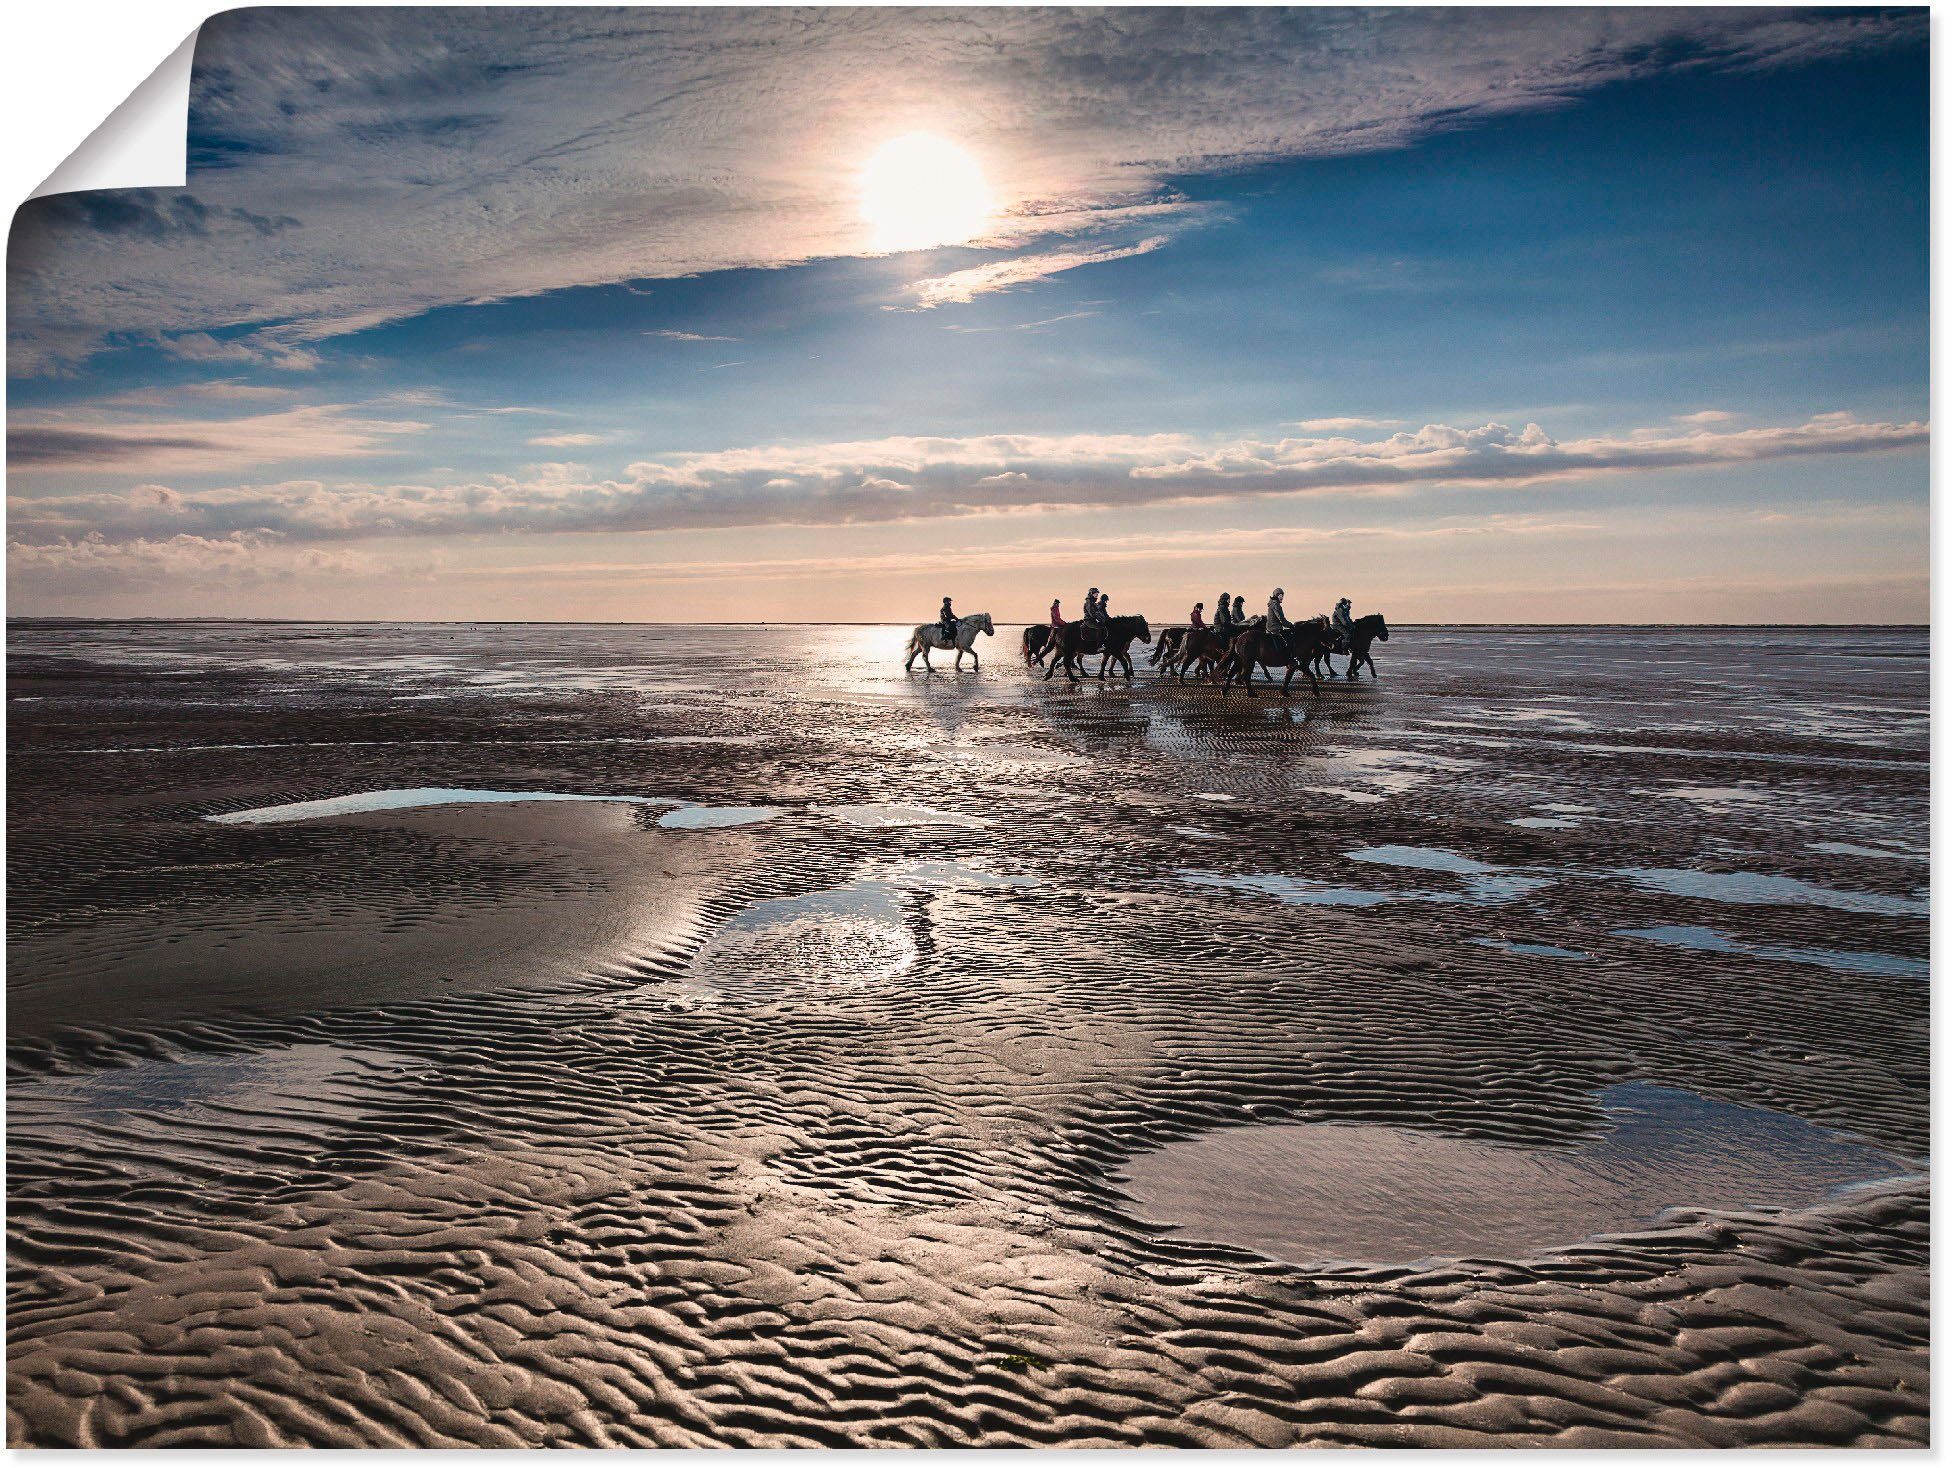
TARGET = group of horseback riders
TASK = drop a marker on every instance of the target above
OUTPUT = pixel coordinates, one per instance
(1229, 615)
(1226, 649)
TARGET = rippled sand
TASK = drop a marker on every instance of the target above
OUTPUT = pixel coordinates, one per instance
(819, 1116)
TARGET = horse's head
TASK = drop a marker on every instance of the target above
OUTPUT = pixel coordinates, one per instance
(1145, 632)
(1382, 627)
(983, 623)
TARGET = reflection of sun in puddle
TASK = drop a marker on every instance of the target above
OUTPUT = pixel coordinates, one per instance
(854, 936)
(1317, 1192)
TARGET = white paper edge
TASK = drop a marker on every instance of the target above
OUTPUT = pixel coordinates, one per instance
(142, 144)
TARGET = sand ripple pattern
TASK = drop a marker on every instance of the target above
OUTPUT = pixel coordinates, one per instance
(705, 1193)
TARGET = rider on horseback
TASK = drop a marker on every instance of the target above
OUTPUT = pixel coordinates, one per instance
(1057, 620)
(1278, 624)
(1223, 617)
(1198, 622)
(1239, 616)
(1091, 605)
(1102, 615)
(1343, 622)
(946, 619)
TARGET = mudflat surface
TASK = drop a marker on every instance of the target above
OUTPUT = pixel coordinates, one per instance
(857, 1115)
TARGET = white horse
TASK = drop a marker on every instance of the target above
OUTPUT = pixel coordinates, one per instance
(929, 635)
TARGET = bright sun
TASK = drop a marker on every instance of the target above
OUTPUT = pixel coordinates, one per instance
(920, 190)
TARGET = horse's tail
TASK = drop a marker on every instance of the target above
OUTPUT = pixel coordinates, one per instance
(1159, 647)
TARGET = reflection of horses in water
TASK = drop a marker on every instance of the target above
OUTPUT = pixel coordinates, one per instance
(1036, 642)
(929, 635)
(1115, 643)
(1295, 649)
(1365, 630)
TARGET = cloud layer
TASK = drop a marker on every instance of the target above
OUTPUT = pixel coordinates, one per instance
(457, 155)
(903, 479)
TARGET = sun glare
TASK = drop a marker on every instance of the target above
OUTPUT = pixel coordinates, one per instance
(920, 190)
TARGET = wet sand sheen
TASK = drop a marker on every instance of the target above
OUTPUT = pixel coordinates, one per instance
(780, 1101)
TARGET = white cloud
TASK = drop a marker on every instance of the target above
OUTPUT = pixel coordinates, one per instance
(1345, 425)
(565, 440)
(963, 286)
(96, 444)
(896, 479)
(200, 346)
(689, 336)
(1706, 415)
(558, 147)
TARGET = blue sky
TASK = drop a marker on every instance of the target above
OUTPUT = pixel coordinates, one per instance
(403, 359)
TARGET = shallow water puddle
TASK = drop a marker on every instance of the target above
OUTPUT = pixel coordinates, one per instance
(1328, 1192)
(1759, 889)
(1708, 940)
(305, 1081)
(715, 817)
(1534, 950)
(858, 935)
(413, 799)
(876, 815)
(852, 935)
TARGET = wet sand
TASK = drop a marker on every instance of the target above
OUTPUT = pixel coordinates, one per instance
(852, 1109)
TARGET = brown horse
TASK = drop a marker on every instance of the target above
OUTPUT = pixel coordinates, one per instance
(1294, 650)
(1036, 642)
(1203, 648)
(1077, 639)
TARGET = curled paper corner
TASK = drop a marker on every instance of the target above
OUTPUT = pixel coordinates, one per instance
(144, 143)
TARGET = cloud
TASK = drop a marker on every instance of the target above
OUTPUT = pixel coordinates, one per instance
(202, 446)
(689, 336)
(201, 346)
(92, 565)
(915, 478)
(566, 440)
(964, 286)
(1706, 415)
(549, 148)
(1344, 425)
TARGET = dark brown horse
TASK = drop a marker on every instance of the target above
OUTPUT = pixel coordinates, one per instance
(1036, 642)
(1294, 650)
(1364, 631)
(1078, 639)
(1203, 649)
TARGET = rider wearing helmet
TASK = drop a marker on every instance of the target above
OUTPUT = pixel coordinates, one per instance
(1091, 605)
(1223, 617)
(946, 619)
(1198, 621)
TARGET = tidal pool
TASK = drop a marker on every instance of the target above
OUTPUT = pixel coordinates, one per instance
(1365, 1193)
(714, 817)
(1708, 940)
(412, 799)
(881, 814)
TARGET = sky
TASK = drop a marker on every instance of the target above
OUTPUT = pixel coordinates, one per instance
(737, 315)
